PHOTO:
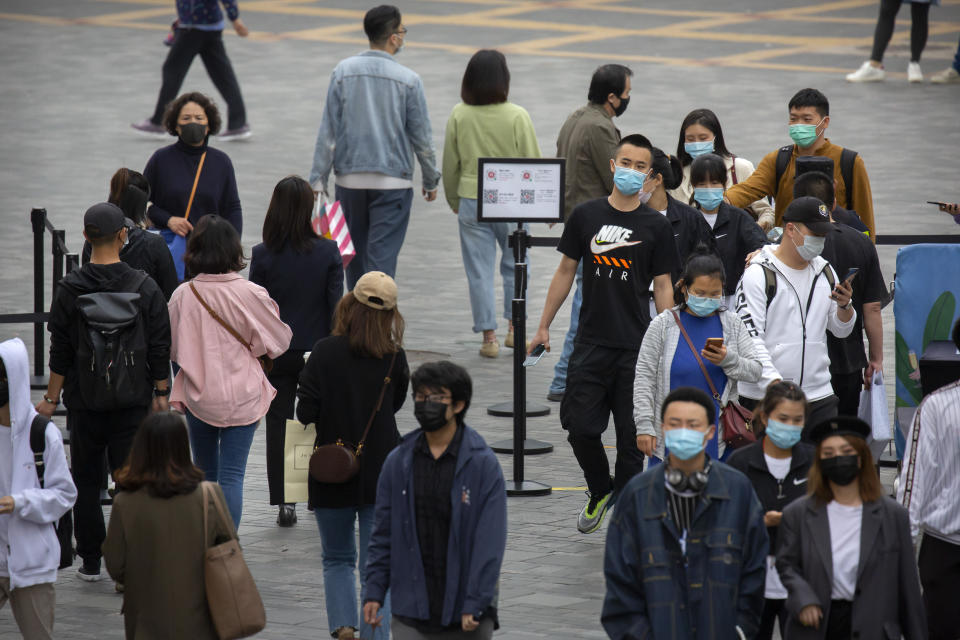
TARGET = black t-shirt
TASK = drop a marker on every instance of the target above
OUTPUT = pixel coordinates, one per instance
(622, 251)
(845, 247)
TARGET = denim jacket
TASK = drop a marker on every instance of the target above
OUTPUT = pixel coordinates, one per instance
(374, 120)
(654, 590)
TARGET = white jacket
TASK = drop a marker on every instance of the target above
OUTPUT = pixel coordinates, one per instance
(796, 340)
(34, 551)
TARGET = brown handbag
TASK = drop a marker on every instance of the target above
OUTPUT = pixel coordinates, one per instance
(339, 462)
(736, 426)
(265, 362)
(232, 597)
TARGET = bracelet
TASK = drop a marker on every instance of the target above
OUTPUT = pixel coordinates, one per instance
(162, 392)
(49, 401)
(847, 306)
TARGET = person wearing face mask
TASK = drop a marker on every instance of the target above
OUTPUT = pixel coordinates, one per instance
(624, 246)
(777, 466)
(844, 552)
(441, 520)
(686, 546)
(700, 134)
(789, 297)
(339, 388)
(809, 118)
(734, 231)
(666, 361)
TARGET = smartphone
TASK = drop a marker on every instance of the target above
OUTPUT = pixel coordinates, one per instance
(535, 355)
(714, 343)
(851, 274)
(939, 204)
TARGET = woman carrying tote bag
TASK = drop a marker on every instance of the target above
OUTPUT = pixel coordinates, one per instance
(339, 389)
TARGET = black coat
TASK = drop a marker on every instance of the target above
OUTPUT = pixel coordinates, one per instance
(689, 230)
(338, 392)
(773, 494)
(736, 235)
(147, 252)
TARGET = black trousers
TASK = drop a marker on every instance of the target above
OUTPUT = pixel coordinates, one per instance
(600, 381)
(919, 19)
(840, 620)
(284, 378)
(773, 610)
(939, 565)
(187, 43)
(93, 434)
(847, 387)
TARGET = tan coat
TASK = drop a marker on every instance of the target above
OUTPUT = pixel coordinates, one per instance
(155, 548)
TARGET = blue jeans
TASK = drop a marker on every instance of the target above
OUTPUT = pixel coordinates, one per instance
(478, 245)
(377, 220)
(559, 383)
(222, 454)
(339, 545)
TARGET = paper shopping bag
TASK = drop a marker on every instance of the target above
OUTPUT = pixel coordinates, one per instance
(329, 221)
(873, 411)
(297, 449)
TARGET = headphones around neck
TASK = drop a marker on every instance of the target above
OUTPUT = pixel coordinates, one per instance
(695, 482)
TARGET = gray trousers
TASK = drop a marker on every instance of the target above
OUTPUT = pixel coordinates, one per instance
(403, 632)
(32, 608)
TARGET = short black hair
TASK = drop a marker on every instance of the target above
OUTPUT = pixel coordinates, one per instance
(214, 247)
(816, 184)
(607, 79)
(172, 114)
(810, 98)
(433, 376)
(486, 79)
(701, 262)
(668, 167)
(708, 167)
(381, 22)
(690, 394)
(709, 120)
(634, 140)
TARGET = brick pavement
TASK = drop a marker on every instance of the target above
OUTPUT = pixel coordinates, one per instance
(71, 88)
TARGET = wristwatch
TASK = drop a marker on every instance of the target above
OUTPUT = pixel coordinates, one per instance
(162, 392)
(48, 400)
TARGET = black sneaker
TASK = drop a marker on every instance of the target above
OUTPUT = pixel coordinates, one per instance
(89, 571)
(287, 516)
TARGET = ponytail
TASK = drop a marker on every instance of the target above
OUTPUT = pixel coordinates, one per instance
(669, 168)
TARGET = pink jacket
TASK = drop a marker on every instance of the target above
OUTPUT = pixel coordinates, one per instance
(220, 381)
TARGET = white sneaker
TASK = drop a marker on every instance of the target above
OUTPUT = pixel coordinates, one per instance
(867, 73)
(947, 76)
(914, 74)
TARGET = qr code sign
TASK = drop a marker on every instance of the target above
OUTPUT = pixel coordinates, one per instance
(527, 196)
(490, 196)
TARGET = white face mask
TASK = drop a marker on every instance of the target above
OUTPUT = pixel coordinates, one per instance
(811, 248)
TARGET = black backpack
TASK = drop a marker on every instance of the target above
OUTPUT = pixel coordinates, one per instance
(847, 158)
(112, 371)
(63, 528)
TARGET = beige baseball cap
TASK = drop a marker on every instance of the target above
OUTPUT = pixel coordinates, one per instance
(377, 290)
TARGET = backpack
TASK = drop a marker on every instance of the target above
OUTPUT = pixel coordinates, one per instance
(770, 281)
(847, 159)
(111, 362)
(63, 528)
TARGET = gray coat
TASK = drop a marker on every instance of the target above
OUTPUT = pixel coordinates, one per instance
(887, 601)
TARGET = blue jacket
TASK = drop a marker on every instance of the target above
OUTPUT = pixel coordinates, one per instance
(478, 534)
(374, 121)
(205, 14)
(655, 592)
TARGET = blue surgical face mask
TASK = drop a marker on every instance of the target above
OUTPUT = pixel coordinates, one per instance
(697, 149)
(783, 435)
(710, 198)
(628, 181)
(684, 443)
(702, 306)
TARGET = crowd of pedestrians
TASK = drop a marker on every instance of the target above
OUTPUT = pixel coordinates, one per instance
(167, 359)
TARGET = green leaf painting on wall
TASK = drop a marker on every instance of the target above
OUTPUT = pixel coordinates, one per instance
(940, 320)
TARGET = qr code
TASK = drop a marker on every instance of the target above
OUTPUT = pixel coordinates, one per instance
(527, 196)
(490, 196)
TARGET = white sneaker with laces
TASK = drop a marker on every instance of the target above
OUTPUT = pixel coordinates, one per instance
(947, 76)
(867, 73)
(914, 74)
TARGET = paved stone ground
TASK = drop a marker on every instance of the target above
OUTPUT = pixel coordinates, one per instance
(75, 73)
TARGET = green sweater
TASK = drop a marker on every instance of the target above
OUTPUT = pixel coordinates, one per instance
(501, 130)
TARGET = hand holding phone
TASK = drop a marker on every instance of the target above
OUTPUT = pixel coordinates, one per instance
(851, 274)
(714, 343)
(535, 355)
(714, 351)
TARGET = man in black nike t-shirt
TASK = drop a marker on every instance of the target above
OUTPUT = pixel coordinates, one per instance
(624, 246)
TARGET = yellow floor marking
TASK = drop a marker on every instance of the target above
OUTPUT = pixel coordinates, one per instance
(569, 488)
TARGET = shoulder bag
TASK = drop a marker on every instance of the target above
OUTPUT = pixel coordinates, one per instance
(177, 244)
(339, 462)
(736, 426)
(265, 362)
(232, 597)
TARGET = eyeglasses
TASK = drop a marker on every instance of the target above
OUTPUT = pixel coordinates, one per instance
(433, 397)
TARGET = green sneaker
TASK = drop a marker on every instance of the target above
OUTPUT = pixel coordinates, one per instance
(591, 516)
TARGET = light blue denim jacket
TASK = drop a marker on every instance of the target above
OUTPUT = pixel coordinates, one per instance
(374, 120)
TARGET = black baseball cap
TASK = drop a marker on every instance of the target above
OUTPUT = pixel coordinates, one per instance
(103, 220)
(840, 426)
(810, 212)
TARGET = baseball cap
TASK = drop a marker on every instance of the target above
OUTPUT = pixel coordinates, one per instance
(103, 220)
(840, 426)
(810, 212)
(377, 290)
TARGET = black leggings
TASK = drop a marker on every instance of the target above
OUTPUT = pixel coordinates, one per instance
(919, 16)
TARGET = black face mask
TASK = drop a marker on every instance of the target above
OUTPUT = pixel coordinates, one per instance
(431, 415)
(841, 470)
(193, 133)
(618, 111)
(4, 393)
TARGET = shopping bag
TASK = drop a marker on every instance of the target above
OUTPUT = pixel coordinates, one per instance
(873, 411)
(329, 221)
(178, 246)
(297, 449)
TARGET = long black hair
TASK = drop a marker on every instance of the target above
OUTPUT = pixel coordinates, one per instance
(288, 219)
(708, 119)
(701, 262)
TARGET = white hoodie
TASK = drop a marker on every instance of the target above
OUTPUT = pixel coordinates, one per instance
(792, 335)
(29, 550)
